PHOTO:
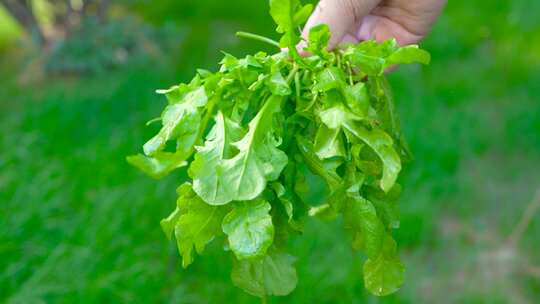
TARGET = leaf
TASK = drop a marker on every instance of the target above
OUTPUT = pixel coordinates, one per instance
(249, 229)
(360, 216)
(181, 120)
(282, 13)
(329, 142)
(159, 165)
(386, 204)
(291, 205)
(408, 54)
(257, 162)
(317, 166)
(281, 193)
(289, 16)
(206, 166)
(384, 274)
(277, 84)
(381, 143)
(302, 14)
(370, 65)
(185, 93)
(318, 38)
(197, 225)
(337, 116)
(329, 78)
(168, 223)
(271, 275)
(357, 99)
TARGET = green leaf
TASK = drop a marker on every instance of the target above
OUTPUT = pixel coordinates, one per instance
(282, 12)
(277, 84)
(302, 14)
(281, 193)
(289, 16)
(318, 38)
(317, 166)
(206, 165)
(329, 142)
(197, 225)
(337, 116)
(159, 165)
(386, 204)
(181, 120)
(271, 275)
(329, 78)
(168, 223)
(382, 144)
(360, 216)
(384, 274)
(185, 93)
(249, 228)
(258, 161)
(408, 54)
(370, 65)
(357, 99)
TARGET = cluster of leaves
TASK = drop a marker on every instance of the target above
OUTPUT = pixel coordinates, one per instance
(258, 136)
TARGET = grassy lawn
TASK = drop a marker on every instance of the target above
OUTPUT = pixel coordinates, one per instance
(79, 225)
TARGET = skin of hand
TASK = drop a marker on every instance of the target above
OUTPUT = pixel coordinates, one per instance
(352, 21)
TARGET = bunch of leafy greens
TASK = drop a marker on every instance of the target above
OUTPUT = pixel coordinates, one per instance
(263, 137)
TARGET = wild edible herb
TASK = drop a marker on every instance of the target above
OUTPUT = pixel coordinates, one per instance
(263, 137)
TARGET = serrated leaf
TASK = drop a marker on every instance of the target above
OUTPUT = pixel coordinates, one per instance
(258, 161)
(271, 275)
(249, 229)
(206, 166)
(181, 120)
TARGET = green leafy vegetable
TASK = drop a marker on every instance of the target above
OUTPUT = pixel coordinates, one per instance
(249, 227)
(271, 275)
(268, 140)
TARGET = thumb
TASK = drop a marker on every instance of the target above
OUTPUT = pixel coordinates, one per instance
(340, 16)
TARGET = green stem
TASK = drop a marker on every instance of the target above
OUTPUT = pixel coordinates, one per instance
(264, 300)
(292, 74)
(297, 85)
(258, 38)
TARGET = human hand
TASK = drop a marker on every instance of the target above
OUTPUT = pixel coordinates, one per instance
(351, 21)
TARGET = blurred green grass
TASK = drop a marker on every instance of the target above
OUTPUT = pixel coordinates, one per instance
(81, 226)
(9, 30)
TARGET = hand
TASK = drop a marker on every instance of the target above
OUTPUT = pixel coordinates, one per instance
(352, 21)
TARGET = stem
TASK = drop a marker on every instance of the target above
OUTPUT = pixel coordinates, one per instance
(292, 73)
(264, 300)
(258, 38)
(297, 85)
(350, 73)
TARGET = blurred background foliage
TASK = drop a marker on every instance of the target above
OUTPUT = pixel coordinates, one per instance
(78, 225)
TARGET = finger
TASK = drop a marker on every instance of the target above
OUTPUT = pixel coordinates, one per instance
(381, 28)
(339, 15)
